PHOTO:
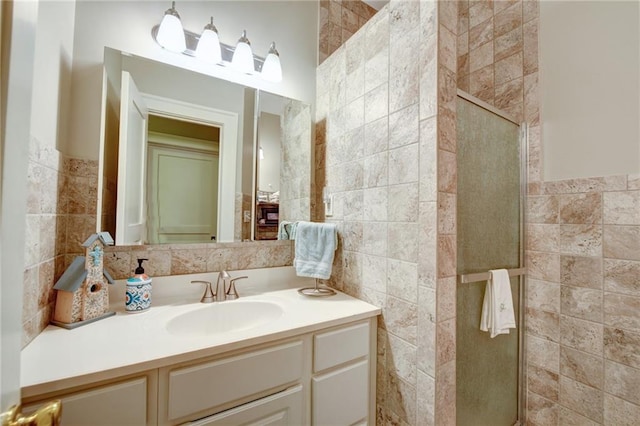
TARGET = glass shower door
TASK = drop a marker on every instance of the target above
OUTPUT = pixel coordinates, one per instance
(489, 237)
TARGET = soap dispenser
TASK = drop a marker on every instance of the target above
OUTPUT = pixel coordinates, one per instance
(138, 298)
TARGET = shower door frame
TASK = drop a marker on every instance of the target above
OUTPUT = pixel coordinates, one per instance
(524, 161)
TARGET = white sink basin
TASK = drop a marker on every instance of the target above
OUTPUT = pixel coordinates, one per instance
(224, 317)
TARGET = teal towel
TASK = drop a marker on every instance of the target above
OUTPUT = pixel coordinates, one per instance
(287, 230)
(314, 249)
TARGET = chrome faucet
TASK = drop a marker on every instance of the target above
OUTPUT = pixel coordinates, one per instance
(208, 296)
(222, 292)
(231, 291)
(222, 279)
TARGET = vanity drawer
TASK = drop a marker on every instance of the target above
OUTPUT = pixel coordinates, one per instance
(338, 346)
(341, 397)
(219, 382)
(281, 409)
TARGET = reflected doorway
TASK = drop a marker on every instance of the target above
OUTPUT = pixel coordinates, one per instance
(182, 181)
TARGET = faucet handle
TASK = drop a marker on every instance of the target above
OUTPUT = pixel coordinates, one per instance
(208, 296)
(232, 293)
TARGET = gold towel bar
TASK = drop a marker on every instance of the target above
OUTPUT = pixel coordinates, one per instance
(484, 276)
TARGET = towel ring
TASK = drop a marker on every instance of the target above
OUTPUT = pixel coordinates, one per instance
(317, 291)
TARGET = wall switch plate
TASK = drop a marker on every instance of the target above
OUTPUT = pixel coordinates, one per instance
(246, 215)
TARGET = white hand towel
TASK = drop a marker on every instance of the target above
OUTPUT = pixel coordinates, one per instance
(497, 308)
(314, 249)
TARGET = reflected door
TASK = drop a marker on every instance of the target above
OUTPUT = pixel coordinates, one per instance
(488, 221)
(183, 194)
(131, 207)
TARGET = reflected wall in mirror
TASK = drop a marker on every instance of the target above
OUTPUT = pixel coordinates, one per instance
(182, 164)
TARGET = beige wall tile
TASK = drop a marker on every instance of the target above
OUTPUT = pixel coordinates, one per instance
(621, 276)
(541, 411)
(581, 208)
(446, 213)
(404, 127)
(446, 256)
(543, 324)
(401, 319)
(543, 209)
(426, 360)
(401, 358)
(543, 296)
(402, 280)
(445, 342)
(543, 237)
(622, 208)
(401, 399)
(622, 346)
(508, 19)
(543, 266)
(480, 34)
(480, 57)
(530, 46)
(480, 11)
(446, 394)
(571, 418)
(622, 311)
(582, 303)
(581, 271)
(582, 367)
(447, 174)
(581, 398)
(622, 381)
(622, 242)
(426, 400)
(508, 69)
(543, 353)
(582, 240)
(508, 44)
(620, 412)
(428, 160)
(582, 335)
(542, 382)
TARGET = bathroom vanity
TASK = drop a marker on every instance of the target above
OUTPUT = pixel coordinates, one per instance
(302, 361)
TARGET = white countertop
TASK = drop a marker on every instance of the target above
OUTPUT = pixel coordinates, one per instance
(129, 343)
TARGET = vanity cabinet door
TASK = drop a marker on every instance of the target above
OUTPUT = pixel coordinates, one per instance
(126, 402)
(282, 409)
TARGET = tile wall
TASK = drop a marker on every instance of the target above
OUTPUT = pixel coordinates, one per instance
(339, 20)
(583, 301)
(296, 172)
(61, 206)
(385, 100)
(61, 215)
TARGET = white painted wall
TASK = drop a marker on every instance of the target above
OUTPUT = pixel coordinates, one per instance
(590, 88)
(52, 72)
(126, 25)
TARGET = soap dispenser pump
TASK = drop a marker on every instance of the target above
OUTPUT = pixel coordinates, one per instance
(138, 297)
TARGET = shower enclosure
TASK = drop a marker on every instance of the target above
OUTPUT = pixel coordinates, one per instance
(490, 154)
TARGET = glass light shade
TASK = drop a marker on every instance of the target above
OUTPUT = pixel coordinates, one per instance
(171, 34)
(271, 69)
(208, 48)
(243, 56)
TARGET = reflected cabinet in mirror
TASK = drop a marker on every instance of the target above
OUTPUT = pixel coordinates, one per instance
(190, 158)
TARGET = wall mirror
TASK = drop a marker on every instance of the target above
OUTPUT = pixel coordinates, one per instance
(189, 158)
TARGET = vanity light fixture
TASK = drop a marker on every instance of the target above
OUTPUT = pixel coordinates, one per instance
(171, 34)
(271, 69)
(243, 55)
(208, 48)
(261, 154)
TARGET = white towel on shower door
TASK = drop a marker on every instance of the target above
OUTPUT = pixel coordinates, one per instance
(497, 308)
